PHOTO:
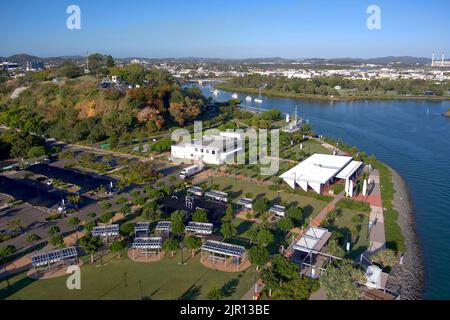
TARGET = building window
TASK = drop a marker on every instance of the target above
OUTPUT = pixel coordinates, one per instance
(201, 151)
(207, 151)
(196, 149)
(213, 152)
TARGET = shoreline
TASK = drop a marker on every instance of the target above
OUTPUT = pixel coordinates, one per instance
(410, 275)
(329, 98)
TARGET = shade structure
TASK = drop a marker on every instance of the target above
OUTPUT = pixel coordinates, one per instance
(200, 228)
(106, 231)
(45, 258)
(346, 187)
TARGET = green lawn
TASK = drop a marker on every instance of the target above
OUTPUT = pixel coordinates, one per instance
(344, 225)
(126, 280)
(310, 147)
(238, 189)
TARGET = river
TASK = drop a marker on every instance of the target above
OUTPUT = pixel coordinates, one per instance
(412, 137)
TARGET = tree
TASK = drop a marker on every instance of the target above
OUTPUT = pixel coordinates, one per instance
(7, 250)
(385, 258)
(228, 217)
(259, 256)
(74, 221)
(15, 225)
(105, 218)
(214, 293)
(339, 281)
(200, 215)
(335, 249)
(261, 205)
(90, 244)
(125, 209)
(252, 234)
(105, 205)
(89, 226)
(228, 230)
(192, 243)
(265, 237)
(32, 237)
(285, 224)
(127, 229)
(53, 230)
(171, 245)
(117, 246)
(36, 151)
(74, 199)
(177, 219)
(295, 214)
(56, 240)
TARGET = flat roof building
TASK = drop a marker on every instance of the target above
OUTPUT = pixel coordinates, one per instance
(320, 170)
(213, 149)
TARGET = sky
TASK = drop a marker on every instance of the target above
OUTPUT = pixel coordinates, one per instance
(226, 28)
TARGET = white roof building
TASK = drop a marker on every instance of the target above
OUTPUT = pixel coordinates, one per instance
(316, 172)
(214, 149)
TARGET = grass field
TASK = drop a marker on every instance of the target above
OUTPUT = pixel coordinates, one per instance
(310, 147)
(344, 225)
(126, 280)
(238, 189)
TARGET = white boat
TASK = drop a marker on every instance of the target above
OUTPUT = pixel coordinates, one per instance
(257, 100)
(248, 99)
(235, 96)
(216, 92)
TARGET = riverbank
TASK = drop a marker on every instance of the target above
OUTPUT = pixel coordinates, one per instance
(410, 274)
(314, 97)
(446, 114)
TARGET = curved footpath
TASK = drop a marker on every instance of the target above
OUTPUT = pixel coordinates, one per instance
(409, 275)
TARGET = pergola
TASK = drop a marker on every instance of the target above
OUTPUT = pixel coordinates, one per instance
(163, 227)
(220, 251)
(107, 231)
(197, 191)
(48, 259)
(278, 210)
(147, 246)
(199, 228)
(217, 195)
(245, 203)
(142, 229)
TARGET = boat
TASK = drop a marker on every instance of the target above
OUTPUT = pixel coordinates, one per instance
(248, 99)
(259, 99)
(216, 92)
(235, 96)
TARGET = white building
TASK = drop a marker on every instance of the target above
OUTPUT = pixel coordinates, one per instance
(321, 170)
(217, 149)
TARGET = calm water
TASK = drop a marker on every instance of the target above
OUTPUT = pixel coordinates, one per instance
(414, 143)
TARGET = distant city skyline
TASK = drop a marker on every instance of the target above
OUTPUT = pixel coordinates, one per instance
(227, 29)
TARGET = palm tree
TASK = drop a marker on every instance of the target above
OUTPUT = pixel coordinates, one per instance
(192, 243)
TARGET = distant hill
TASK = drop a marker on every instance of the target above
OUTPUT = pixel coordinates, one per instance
(389, 60)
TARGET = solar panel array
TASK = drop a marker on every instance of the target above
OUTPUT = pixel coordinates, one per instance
(147, 243)
(106, 231)
(217, 195)
(195, 190)
(278, 210)
(164, 226)
(45, 258)
(200, 227)
(224, 248)
(142, 227)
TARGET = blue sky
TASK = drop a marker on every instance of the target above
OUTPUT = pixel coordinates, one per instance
(226, 28)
